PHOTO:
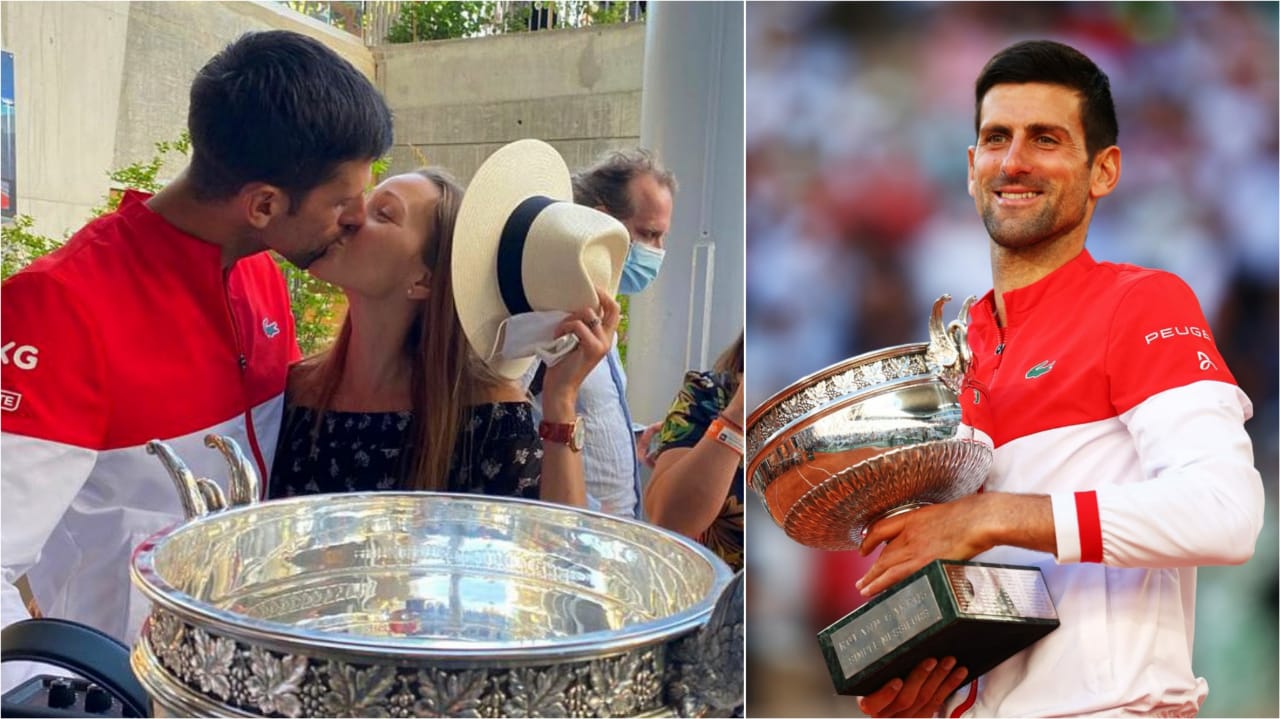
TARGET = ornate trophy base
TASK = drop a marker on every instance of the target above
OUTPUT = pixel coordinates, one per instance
(981, 614)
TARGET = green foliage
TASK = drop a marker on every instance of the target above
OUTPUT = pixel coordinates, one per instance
(624, 323)
(317, 10)
(316, 307)
(433, 20)
(439, 20)
(141, 175)
(607, 13)
(517, 17)
(19, 246)
(380, 166)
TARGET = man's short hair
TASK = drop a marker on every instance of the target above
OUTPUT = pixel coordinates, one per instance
(604, 184)
(1055, 64)
(280, 108)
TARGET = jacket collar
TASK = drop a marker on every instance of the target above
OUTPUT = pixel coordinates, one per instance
(163, 238)
(1019, 303)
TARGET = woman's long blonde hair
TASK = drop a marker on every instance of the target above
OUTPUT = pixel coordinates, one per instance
(447, 376)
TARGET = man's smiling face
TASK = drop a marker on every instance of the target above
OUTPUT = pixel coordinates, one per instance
(1030, 174)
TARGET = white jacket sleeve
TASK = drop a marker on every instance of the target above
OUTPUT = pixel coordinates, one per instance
(54, 414)
(40, 478)
(1201, 499)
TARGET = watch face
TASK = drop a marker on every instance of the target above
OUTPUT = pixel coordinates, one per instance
(579, 434)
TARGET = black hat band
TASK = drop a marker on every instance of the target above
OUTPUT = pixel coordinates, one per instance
(511, 252)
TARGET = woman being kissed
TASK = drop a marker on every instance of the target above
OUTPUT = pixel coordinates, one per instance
(415, 394)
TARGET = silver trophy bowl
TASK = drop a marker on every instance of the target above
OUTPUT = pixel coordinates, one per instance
(867, 438)
(426, 604)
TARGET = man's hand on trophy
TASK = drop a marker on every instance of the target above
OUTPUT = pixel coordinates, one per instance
(920, 695)
(958, 530)
(954, 530)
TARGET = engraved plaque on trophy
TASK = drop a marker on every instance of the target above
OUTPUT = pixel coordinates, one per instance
(978, 613)
(875, 436)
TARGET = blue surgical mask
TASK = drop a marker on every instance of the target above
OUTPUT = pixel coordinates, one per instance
(640, 268)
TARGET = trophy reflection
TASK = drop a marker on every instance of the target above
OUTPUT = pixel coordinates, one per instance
(870, 437)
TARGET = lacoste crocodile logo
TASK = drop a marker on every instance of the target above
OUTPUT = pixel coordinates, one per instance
(1042, 368)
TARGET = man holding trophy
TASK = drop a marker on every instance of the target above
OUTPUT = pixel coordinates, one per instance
(1121, 460)
(1048, 472)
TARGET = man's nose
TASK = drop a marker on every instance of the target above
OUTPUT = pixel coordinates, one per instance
(1017, 158)
(353, 216)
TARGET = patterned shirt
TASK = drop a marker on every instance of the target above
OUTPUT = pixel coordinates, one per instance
(498, 452)
(699, 401)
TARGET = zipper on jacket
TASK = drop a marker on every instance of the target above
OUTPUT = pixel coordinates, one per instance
(995, 366)
(244, 391)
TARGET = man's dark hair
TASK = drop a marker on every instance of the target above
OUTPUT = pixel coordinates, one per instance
(604, 184)
(280, 108)
(1055, 64)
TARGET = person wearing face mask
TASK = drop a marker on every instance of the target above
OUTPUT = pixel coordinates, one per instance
(633, 187)
(641, 267)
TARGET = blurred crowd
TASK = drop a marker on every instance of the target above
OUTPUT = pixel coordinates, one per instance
(859, 116)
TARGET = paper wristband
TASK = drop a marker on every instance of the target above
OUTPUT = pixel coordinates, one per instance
(720, 431)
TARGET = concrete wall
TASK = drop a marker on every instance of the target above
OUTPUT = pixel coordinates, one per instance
(68, 67)
(98, 84)
(693, 117)
(456, 101)
(180, 37)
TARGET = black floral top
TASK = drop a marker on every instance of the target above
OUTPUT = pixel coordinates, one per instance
(498, 452)
(702, 397)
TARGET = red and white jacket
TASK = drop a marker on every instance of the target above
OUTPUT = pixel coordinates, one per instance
(130, 332)
(1106, 392)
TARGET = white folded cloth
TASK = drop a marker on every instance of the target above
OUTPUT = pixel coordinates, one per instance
(533, 333)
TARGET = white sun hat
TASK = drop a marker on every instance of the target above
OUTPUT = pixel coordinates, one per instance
(521, 245)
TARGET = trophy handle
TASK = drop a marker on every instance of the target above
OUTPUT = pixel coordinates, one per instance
(190, 492)
(201, 496)
(704, 673)
(214, 499)
(245, 485)
(958, 329)
(948, 354)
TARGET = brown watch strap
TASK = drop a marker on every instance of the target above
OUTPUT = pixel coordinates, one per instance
(559, 432)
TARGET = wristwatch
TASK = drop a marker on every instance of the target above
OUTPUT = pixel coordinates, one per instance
(572, 433)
